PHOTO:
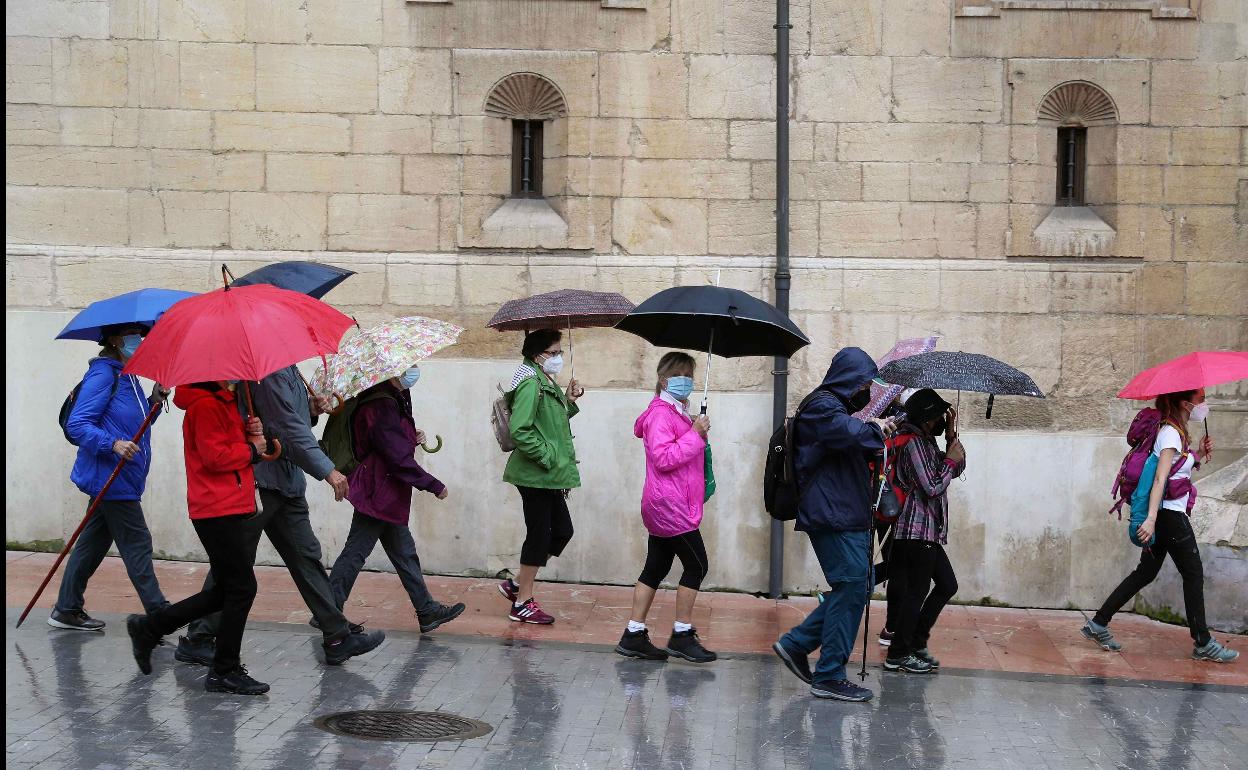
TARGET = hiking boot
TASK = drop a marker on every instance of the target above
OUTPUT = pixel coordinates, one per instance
(1214, 651)
(74, 620)
(201, 652)
(886, 637)
(441, 613)
(636, 644)
(337, 653)
(236, 682)
(355, 628)
(687, 645)
(927, 657)
(795, 662)
(142, 641)
(841, 689)
(510, 590)
(530, 612)
(1101, 635)
(911, 664)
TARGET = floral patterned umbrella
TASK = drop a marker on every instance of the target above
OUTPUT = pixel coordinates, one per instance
(382, 352)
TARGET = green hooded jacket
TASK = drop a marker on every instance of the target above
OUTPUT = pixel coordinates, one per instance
(540, 425)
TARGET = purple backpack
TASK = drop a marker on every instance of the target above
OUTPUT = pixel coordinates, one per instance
(1141, 436)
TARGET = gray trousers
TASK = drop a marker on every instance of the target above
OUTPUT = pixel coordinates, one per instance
(114, 521)
(399, 546)
(289, 528)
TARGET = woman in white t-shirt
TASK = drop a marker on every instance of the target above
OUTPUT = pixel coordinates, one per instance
(1168, 520)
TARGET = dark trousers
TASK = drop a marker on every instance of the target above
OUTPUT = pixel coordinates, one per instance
(893, 596)
(114, 521)
(662, 551)
(1176, 538)
(547, 523)
(400, 547)
(915, 566)
(833, 624)
(231, 546)
(286, 522)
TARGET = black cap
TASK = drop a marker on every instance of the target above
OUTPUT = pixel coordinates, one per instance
(924, 405)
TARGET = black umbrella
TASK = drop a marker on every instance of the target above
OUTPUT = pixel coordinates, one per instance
(954, 370)
(312, 278)
(714, 320)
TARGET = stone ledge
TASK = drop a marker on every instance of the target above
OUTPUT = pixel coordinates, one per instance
(1074, 231)
(1159, 9)
(623, 5)
(524, 223)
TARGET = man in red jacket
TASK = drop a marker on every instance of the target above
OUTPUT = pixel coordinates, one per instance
(220, 495)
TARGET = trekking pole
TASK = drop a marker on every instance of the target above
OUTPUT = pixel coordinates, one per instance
(875, 506)
(151, 414)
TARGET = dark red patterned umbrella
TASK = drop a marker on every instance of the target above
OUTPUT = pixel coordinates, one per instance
(562, 309)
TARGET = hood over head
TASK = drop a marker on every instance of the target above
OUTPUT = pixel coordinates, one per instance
(851, 368)
(185, 395)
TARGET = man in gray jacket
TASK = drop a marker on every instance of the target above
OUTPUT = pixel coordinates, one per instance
(281, 402)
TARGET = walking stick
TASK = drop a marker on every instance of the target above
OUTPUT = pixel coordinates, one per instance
(866, 627)
(151, 414)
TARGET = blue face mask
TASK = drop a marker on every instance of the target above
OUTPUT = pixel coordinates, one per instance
(408, 379)
(679, 388)
(129, 344)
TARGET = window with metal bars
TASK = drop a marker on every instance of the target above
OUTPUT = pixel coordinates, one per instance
(526, 158)
(1071, 165)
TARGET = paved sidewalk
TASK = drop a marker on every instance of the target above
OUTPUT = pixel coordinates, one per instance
(972, 638)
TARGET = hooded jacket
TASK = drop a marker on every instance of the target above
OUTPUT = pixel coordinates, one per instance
(101, 416)
(831, 450)
(671, 501)
(219, 479)
(545, 457)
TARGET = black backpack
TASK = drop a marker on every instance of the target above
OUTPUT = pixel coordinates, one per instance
(780, 492)
(67, 406)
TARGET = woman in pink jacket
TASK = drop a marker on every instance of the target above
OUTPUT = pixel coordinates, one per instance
(671, 508)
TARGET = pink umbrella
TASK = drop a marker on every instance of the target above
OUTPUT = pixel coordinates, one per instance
(883, 395)
(1201, 369)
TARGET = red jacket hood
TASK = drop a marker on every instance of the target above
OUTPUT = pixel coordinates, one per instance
(185, 395)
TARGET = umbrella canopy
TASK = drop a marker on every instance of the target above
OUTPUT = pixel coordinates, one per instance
(382, 352)
(142, 307)
(563, 308)
(883, 395)
(712, 319)
(1201, 369)
(945, 370)
(314, 279)
(237, 334)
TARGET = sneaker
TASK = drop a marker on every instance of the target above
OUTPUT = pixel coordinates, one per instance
(530, 612)
(687, 645)
(442, 613)
(74, 620)
(1214, 651)
(509, 589)
(355, 628)
(636, 644)
(1101, 635)
(200, 652)
(794, 662)
(842, 689)
(911, 664)
(236, 682)
(886, 637)
(349, 646)
(142, 641)
(928, 658)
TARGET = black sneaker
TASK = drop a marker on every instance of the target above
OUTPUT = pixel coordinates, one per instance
(351, 645)
(841, 689)
(443, 613)
(200, 652)
(236, 682)
(355, 628)
(685, 644)
(142, 641)
(911, 664)
(75, 620)
(927, 658)
(636, 644)
(795, 662)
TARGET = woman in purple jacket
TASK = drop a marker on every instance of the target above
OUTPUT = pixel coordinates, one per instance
(385, 439)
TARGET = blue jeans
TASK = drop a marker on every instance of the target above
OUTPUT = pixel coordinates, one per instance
(119, 521)
(832, 626)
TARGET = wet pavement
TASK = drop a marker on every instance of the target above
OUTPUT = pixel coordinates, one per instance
(75, 700)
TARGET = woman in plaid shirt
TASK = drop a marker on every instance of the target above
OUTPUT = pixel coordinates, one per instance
(918, 557)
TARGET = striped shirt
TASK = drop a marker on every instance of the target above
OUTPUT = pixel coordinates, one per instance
(924, 474)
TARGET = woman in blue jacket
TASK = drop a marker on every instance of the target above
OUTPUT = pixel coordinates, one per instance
(107, 412)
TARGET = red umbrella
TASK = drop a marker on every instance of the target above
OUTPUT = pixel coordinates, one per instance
(1202, 369)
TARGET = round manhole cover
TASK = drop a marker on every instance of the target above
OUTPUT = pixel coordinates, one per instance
(402, 725)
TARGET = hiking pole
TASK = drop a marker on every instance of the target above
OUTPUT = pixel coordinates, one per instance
(866, 627)
(151, 415)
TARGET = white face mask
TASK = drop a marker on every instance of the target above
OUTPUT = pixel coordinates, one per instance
(1199, 412)
(553, 365)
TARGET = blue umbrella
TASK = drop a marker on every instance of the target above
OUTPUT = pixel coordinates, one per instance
(311, 278)
(142, 307)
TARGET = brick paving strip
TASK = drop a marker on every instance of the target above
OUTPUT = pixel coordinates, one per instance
(968, 637)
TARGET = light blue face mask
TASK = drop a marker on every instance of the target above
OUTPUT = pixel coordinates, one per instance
(679, 388)
(408, 379)
(129, 344)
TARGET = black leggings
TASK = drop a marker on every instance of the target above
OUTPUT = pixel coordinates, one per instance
(547, 522)
(1174, 537)
(914, 567)
(661, 551)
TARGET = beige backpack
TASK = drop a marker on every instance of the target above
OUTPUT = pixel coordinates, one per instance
(500, 419)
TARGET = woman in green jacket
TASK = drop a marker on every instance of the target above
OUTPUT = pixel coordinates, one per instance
(542, 467)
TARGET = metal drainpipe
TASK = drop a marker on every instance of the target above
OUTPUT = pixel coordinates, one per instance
(780, 386)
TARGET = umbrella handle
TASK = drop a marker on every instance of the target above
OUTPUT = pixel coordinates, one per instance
(273, 446)
(988, 415)
(342, 403)
(436, 449)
